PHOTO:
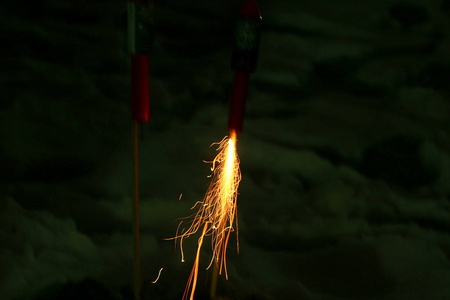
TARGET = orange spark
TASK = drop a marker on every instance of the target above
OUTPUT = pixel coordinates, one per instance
(217, 211)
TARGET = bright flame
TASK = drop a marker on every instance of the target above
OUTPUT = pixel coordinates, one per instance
(217, 211)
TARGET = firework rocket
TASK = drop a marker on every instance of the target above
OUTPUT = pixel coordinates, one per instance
(244, 58)
(139, 42)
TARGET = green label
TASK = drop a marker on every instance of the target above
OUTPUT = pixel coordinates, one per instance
(247, 35)
(140, 28)
(246, 45)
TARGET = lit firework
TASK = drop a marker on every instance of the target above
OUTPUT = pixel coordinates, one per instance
(217, 211)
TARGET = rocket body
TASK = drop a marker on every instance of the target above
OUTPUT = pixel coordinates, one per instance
(139, 42)
(244, 58)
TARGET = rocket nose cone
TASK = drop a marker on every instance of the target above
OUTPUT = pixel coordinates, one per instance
(250, 10)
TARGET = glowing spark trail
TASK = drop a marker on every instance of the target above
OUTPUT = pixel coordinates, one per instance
(157, 278)
(217, 211)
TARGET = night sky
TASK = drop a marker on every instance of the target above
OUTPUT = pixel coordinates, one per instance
(345, 152)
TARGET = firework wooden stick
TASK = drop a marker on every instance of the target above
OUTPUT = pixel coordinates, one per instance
(215, 276)
(136, 243)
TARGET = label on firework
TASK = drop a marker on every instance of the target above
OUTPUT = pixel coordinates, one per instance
(246, 45)
(140, 29)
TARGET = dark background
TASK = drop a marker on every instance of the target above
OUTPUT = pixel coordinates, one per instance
(345, 153)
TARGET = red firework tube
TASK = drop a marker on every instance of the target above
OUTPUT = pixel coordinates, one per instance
(139, 42)
(244, 58)
(238, 98)
(140, 90)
